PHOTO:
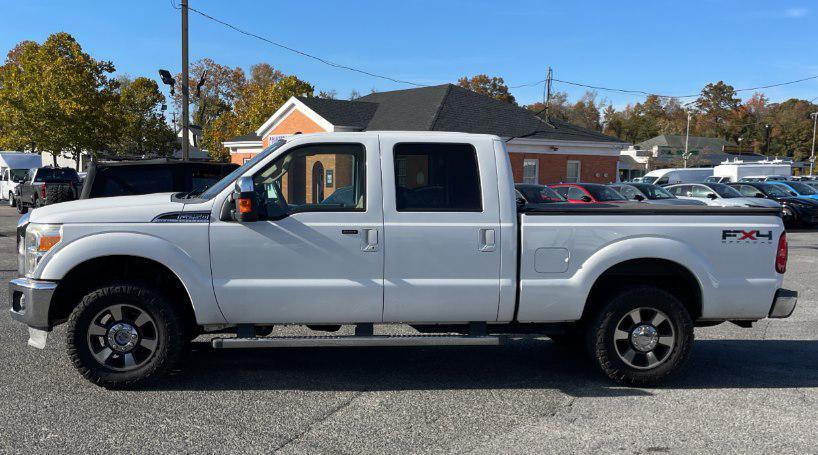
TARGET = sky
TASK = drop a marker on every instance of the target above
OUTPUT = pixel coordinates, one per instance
(666, 47)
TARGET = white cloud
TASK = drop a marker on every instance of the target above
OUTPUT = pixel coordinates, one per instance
(795, 12)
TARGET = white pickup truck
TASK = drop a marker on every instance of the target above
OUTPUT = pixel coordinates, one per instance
(389, 227)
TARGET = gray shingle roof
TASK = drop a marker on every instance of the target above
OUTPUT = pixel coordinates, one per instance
(446, 108)
(342, 112)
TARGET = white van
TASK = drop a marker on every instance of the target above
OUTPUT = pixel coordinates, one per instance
(14, 167)
(677, 175)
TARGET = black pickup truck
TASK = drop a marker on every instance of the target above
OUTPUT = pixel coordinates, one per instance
(46, 185)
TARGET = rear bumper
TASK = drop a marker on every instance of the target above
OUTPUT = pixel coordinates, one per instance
(783, 303)
(31, 301)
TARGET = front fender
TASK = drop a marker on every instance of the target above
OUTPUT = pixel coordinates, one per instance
(195, 277)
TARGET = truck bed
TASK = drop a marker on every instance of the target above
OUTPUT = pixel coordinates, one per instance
(565, 248)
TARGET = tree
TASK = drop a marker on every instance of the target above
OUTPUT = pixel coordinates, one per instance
(329, 94)
(791, 134)
(557, 107)
(54, 97)
(717, 105)
(494, 87)
(141, 128)
(585, 112)
(222, 86)
(354, 95)
(259, 98)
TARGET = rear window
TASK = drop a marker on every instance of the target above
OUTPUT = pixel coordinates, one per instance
(437, 177)
(802, 188)
(537, 194)
(56, 175)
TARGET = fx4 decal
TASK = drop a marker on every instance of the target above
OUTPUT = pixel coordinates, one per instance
(742, 236)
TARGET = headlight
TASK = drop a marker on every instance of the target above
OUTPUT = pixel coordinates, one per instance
(40, 239)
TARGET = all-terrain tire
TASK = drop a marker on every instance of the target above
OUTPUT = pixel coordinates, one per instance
(169, 337)
(12, 203)
(611, 354)
(58, 193)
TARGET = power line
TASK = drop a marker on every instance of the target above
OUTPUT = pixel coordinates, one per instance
(302, 53)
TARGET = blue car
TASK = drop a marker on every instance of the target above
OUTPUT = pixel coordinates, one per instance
(798, 189)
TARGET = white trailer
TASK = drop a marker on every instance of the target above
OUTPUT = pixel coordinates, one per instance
(733, 171)
(677, 175)
(14, 167)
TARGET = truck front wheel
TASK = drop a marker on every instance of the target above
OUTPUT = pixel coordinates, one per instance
(641, 337)
(122, 335)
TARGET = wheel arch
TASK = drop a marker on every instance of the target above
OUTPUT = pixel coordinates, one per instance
(666, 274)
(99, 271)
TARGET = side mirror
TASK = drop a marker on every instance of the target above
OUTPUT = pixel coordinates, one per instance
(712, 195)
(244, 196)
(638, 197)
(520, 201)
(585, 199)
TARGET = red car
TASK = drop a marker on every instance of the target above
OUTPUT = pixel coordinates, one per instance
(588, 193)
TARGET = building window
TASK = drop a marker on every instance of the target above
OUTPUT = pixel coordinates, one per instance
(572, 173)
(531, 168)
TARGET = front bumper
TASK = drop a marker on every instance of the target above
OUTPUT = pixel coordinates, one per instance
(783, 303)
(31, 301)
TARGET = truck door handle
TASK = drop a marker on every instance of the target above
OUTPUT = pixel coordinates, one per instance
(370, 240)
(486, 240)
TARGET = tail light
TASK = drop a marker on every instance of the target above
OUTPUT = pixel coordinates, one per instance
(781, 254)
(42, 191)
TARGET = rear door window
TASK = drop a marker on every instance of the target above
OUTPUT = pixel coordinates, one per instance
(437, 177)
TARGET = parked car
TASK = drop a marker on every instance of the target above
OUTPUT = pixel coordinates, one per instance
(137, 277)
(46, 185)
(714, 179)
(14, 167)
(794, 210)
(799, 189)
(804, 178)
(718, 194)
(537, 194)
(652, 194)
(737, 170)
(588, 193)
(127, 178)
(672, 176)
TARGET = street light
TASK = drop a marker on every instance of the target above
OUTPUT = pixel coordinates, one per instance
(739, 146)
(167, 79)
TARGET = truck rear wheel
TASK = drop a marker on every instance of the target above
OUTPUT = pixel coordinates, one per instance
(123, 335)
(641, 337)
(21, 208)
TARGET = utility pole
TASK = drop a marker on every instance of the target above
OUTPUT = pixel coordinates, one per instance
(686, 154)
(185, 91)
(547, 94)
(767, 140)
(814, 116)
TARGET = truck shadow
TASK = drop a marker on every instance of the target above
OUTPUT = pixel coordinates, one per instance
(528, 364)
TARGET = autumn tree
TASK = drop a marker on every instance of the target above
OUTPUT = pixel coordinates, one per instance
(494, 87)
(258, 99)
(222, 86)
(54, 97)
(717, 107)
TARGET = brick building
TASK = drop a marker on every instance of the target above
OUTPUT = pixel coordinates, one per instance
(547, 153)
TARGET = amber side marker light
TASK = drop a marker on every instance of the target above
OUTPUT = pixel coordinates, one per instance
(245, 205)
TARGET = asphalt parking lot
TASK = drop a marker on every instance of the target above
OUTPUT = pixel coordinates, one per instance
(746, 390)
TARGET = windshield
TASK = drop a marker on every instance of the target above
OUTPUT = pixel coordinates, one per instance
(773, 190)
(229, 178)
(539, 194)
(802, 188)
(56, 175)
(19, 175)
(654, 191)
(604, 193)
(724, 191)
(647, 179)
